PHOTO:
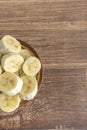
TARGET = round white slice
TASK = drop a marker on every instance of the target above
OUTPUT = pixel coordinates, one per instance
(9, 104)
(12, 62)
(10, 83)
(25, 53)
(32, 66)
(9, 44)
(29, 89)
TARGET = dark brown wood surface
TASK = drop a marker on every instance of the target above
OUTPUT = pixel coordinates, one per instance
(57, 29)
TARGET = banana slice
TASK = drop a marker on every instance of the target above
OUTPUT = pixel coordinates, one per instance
(10, 83)
(32, 66)
(9, 104)
(29, 89)
(12, 62)
(0, 69)
(9, 44)
(25, 53)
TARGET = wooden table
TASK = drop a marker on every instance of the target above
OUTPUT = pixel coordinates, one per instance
(57, 29)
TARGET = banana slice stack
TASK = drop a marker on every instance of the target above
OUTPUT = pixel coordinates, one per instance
(18, 71)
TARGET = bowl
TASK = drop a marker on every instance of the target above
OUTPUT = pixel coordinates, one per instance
(39, 79)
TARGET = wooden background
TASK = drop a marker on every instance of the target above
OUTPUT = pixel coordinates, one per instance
(57, 29)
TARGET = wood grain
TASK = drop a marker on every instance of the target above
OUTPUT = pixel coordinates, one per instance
(57, 29)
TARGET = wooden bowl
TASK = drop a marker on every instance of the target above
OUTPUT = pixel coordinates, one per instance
(23, 103)
(36, 55)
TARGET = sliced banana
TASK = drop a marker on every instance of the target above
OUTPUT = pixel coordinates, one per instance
(9, 44)
(9, 104)
(10, 83)
(25, 53)
(29, 89)
(32, 66)
(12, 62)
(19, 73)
